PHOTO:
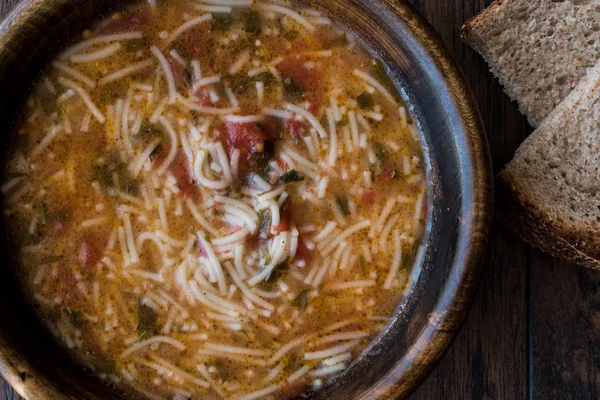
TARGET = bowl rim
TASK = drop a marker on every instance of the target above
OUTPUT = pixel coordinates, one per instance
(456, 296)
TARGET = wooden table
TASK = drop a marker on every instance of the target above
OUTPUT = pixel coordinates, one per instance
(534, 327)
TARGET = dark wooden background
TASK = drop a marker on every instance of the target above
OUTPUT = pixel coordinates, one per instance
(534, 327)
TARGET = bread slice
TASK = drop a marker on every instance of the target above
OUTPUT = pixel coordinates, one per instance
(549, 193)
(538, 49)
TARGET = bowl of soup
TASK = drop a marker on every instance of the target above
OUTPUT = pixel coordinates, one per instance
(233, 199)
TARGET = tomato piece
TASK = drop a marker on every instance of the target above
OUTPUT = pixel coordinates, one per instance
(67, 287)
(245, 136)
(295, 69)
(204, 99)
(133, 19)
(388, 173)
(297, 129)
(314, 107)
(89, 255)
(184, 174)
(291, 391)
(285, 217)
(194, 43)
(303, 252)
(182, 80)
(368, 198)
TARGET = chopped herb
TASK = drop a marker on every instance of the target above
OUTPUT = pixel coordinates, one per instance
(113, 90)
(291, 176)
(266, 255)
(277, 272)
(363, 265)
(365, 101)
(224, 372)
(339, 41)
(233, 190)
(13, 175)
(302, 299)
(291, 34)
(103, 175)
(342, 202)
(100, 361)
(75, 317)
(405, 260)
(259, 161)
(189, 76)
(380, 151)
(265, 77)
(45, 99)
(157, 150)
(146, 320)
(344, 121)
(265, 225)
(252, 22)
(377, 71)
(62, 215)
(44, 213)
(148, 132)
(242, 83)
(51, 259)
(133, 45)
(222, 21)
(415, 247)
(181, 50)
(292, 91)
(207, 239)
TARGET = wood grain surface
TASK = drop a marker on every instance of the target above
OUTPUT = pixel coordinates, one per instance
(534, 328)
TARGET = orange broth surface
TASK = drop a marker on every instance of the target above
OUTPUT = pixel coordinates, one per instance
(215, 201)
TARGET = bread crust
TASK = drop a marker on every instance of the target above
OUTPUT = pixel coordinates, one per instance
(469, 36)
(533, 224)
(466, 32)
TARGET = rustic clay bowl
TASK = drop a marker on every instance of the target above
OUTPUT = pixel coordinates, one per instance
(459, 218)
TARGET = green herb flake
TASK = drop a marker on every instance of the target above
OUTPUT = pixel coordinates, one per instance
(266, 255)
(252, 21)
(380, 151)
(146, 320)
(133, 45)
(341, 40)
(365, 101)
(45, 99)
(189, 76)
(342, 202)
(277, 272)
(291, 34)
(75, 317)
(222, 21)
(292, 91)
(344, 121)
(363, 265)
(301, 300)
(51, 259)
(265, 224)
(291, 176)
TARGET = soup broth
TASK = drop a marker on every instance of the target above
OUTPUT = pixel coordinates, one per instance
(216, 201)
